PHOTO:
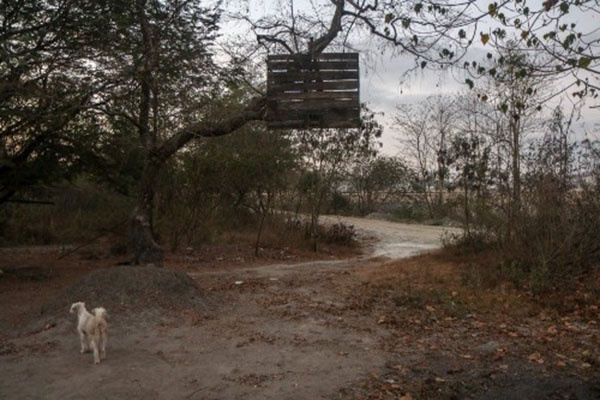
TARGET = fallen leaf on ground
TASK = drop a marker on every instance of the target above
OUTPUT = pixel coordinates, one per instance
(455, 369)
(537, 357)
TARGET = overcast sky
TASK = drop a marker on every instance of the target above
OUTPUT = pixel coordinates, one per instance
(384, 83)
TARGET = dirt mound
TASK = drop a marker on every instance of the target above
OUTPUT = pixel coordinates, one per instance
(125, 287)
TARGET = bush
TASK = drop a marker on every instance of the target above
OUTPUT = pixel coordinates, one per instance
(552, 242)
(410, 212)
(80, 212)
(340, 234)
(339, 204)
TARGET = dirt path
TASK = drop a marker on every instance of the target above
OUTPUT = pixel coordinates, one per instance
(280, 331)
(396, 240)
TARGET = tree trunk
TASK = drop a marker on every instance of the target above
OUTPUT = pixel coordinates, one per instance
(516, 166)
(142, 242)
(466, 205)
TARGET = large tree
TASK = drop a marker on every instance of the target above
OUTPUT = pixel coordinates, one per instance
(46, 86)
(168, 91)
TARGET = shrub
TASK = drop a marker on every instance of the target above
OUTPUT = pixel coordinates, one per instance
(340, 234)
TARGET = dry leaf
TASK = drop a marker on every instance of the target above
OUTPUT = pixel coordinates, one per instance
(537, 357)
(561, 363)
(455, 370)
(552, 330)
(407, 396)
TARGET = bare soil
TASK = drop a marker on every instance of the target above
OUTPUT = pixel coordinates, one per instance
(287, 326)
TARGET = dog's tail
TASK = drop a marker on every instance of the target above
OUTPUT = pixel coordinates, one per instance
(100, 313)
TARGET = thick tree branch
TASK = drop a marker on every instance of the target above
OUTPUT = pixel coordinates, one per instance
(315, 48)
(273, 39)
(212, 128)
(145, 77)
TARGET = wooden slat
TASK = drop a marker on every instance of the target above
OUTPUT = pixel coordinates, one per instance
(336, 85)
(277, 66)
(330, 113)
(314, 95)
(289, 77)
(322, 56)
(313, 75)
(300, 124)
(317, 105)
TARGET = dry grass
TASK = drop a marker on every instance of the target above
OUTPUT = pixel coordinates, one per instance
(462, 284)
(455, 332)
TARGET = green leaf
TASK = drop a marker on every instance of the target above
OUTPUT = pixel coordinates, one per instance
(405, 22)
(462, 34)
(485, 38)
(423, 64)
(470, 83)
(418, 7)
(389, 18)
(492, 8)
(584, 62)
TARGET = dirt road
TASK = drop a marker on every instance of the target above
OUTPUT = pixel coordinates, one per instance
(395, 240)
(280, 331)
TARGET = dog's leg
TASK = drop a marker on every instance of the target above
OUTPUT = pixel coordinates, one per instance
(94, 346)
(103, 339)
(83, 341)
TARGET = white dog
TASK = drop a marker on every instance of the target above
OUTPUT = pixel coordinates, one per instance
(92, 329)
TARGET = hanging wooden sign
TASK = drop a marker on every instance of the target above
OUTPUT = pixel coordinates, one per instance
(305, 92)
